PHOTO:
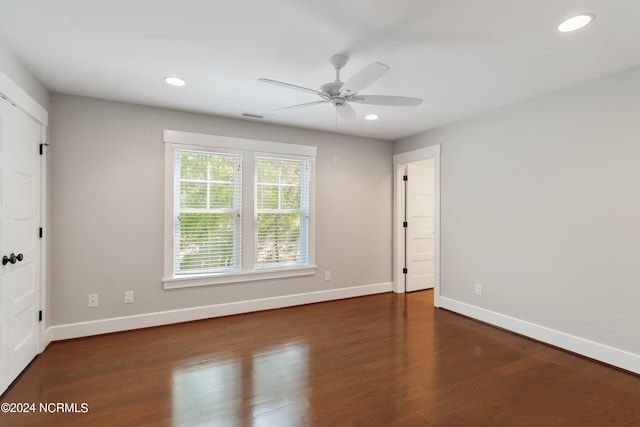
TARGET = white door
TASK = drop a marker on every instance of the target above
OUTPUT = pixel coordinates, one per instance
(420, 225)
(19, 240)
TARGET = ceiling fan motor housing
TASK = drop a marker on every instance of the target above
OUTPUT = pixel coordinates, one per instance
(332, 88)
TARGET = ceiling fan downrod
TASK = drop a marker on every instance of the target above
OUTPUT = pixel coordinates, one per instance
(332, 89)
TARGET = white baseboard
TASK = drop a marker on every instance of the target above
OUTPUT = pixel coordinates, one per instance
(117, 324)
(594, 350)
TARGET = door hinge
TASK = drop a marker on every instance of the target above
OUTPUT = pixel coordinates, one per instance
(405, 224)
(405, 271)
(40, 232)
(40, 316)
(405, 177)
(42, 145)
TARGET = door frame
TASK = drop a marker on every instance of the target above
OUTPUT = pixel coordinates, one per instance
(399, 162)
(21, 99)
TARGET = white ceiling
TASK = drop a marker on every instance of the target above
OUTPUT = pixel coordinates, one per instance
(463, 57)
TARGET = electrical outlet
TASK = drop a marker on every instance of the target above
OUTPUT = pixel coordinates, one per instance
(478, 289)
(327, 275)
(128, 297)
(93, 300)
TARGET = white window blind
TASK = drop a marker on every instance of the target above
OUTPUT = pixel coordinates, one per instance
(207, 212)
(282, 212)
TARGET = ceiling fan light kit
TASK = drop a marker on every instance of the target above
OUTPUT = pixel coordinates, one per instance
(340, 94)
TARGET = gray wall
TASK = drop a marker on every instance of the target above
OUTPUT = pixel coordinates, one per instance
(541, 205)
(107, 166)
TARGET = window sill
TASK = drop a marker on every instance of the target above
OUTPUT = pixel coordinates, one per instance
(188, 281)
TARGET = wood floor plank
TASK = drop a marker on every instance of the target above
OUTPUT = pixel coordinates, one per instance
(388, 360)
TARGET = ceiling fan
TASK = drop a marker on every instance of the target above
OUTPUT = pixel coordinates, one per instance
(340, 94)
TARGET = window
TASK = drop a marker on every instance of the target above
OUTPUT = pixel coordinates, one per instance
(236, 210)
(282, 212)
(207, 202)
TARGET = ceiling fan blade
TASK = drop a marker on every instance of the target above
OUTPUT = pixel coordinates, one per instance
(392, 101)
(306, 104)
(290, 86)
(346, 112)
(364, 77)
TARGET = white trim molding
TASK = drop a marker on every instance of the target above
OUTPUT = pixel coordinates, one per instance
(241, 276)
(604, 353)
(117, 324)
(17, 96)
(417, 155)
(233, 143)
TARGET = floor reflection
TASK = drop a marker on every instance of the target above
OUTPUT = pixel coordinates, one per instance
(203, 392)
(262, 388)
(280, 385)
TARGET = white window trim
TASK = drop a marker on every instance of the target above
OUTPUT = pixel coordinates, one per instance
(249, 148)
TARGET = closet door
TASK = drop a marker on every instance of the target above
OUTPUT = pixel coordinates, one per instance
(19, 240)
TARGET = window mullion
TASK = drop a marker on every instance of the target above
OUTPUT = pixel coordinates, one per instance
(249, 184)
(280, 188)
(208, 183)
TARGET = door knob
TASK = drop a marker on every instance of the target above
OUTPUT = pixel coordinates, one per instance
(13, 258)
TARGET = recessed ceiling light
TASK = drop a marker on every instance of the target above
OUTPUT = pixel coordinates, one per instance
(575, 22)
(175, 81)
(371, 117)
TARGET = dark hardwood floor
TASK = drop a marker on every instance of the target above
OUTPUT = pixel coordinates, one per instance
(379, 360)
